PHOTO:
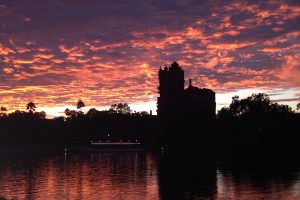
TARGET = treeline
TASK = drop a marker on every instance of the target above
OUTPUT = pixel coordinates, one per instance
(253, 125)
(30, 128)
(257, 126)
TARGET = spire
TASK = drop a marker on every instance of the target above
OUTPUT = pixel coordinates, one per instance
(166, 68)
(174, 64)
(190, 80)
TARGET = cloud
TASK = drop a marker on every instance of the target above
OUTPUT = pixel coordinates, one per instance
(56, 52)
(287, 100)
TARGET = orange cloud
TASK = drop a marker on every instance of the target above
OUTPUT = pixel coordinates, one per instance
(8, 70)
(230, 46)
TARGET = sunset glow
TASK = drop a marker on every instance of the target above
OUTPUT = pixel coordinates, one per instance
(104, 53)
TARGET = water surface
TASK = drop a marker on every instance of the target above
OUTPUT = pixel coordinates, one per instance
(131, 176)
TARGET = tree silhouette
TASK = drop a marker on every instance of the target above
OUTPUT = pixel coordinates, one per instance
(256, 125)
(68, 112)
(120, 108)
(41, 115)
(31, 107)
(80, 104)
(3, 111)
(253, 105)
(92, 112)
(72, 114)
(298, 106)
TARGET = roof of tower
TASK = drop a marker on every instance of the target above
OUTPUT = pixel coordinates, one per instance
(192, 89)
(174, 64)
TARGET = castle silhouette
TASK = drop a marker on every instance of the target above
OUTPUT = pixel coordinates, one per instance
(174, 100)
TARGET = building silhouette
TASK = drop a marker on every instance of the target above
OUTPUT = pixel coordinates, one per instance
(174, 100)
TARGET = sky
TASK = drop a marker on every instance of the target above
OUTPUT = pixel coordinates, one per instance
(104, 52)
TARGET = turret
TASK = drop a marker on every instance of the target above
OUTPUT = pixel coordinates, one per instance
(171, 88)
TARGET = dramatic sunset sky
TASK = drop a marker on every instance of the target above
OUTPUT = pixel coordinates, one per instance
(104, 52)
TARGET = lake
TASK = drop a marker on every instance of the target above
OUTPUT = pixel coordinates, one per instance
(130, 176)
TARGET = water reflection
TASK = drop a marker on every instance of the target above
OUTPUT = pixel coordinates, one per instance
(133, 176)
(96, 176)
(275, 180)
(185, 179)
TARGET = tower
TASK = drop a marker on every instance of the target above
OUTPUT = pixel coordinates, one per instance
(171, 90)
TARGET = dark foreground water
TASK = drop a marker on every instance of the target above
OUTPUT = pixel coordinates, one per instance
(130, 176)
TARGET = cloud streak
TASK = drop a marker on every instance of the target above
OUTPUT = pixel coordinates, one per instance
(107, 52)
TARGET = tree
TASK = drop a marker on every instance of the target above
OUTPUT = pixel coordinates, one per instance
(92, 112)
(18, 114)
(31, 107)
(254, 104)
(72, 114)
(3, 111)
(256, 110)
(80, 104)
(235, 107)
(120, 108)
(298, 106)
(225, 114)
(113, 108)
(69, 113)
(41, 115)
(144, 113)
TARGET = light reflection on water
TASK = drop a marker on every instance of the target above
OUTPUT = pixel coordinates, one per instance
(276, 183)
(129, 176)
(96, 176)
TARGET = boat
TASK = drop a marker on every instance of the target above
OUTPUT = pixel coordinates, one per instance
(116, 146)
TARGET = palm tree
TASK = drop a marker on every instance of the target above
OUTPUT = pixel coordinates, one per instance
(31, 107)
(3, 111)
(80, 104)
